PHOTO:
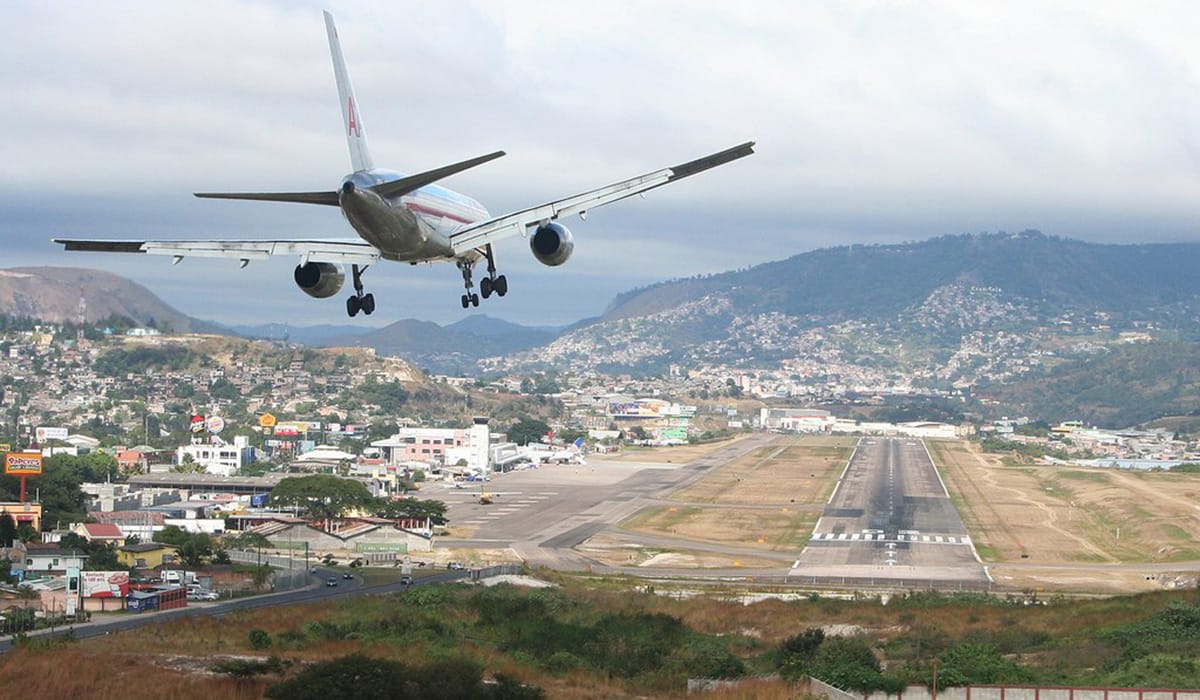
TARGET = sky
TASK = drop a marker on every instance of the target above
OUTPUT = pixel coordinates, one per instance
(876, 122)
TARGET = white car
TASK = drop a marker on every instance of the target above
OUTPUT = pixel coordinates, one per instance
(200, 595)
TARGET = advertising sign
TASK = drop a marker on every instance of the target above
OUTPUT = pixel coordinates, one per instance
(198, 423)
(266, 420)
(104, 584)
(216, 424)
(18, 463)
(292, 428)
(5, 447)
(43, 434)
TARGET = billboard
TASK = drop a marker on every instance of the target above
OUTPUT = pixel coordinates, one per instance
(216, 424)
(291, 428)
(43, 434)
(104, 584)
(23, 463)
(266, 420)
(198, 424)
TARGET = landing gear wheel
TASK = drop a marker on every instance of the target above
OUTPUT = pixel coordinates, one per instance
(466, 301)
(501, 285)
(368, 304)
(474, 300)
(485, 287)
(353, 305)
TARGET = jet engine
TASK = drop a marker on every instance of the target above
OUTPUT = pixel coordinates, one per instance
(320, 280)
(552, 244)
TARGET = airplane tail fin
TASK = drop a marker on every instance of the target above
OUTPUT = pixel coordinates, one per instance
(356, 135)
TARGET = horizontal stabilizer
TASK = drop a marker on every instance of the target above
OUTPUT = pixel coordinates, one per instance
(327, 198)
(403, 186)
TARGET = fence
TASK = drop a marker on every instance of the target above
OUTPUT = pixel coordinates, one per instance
(1009, 692)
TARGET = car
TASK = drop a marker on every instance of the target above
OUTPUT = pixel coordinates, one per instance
(348, 575)
(202, 595)
(406, 580)
(456, 566)
(331, 582)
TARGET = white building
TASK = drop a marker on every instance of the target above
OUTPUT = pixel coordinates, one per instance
(222, 459)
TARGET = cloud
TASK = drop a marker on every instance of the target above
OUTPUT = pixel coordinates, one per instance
(876, 122)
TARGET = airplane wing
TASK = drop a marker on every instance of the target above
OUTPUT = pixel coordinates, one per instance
(483, 233)
(330, 250)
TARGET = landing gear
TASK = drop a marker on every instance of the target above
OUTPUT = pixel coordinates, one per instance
(493, 283)
(359, 302)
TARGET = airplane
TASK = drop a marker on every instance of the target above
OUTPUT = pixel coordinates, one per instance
(406, 218)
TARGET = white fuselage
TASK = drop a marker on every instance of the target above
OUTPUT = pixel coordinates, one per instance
(411, 228)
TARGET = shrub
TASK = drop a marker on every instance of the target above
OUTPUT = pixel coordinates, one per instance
(260, 639)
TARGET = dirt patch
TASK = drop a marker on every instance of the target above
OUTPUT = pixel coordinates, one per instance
(615, 551)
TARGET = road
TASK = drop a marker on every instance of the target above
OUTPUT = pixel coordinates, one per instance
(890, 517)
(102, 625)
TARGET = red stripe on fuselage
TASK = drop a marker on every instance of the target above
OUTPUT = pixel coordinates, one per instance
(424, 209)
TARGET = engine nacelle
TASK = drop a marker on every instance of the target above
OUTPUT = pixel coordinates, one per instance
(552, 244)
(320, 280)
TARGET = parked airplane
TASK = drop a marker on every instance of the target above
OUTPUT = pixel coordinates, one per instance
(406, 218)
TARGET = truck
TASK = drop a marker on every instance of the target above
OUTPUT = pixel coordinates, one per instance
(179, 577)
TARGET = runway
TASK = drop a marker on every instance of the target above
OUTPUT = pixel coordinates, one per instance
(890, 517)
(888, 520)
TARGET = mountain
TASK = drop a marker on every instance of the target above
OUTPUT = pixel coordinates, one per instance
(1024, 311)
(883, 281)
(451, 349)
(53, 294)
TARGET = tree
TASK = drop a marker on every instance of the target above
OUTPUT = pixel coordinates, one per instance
(411, 508)
(321, 495)
(527, 430)
(194, 547)
(8, 529)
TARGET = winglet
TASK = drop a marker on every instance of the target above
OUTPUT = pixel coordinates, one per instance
(356, 135)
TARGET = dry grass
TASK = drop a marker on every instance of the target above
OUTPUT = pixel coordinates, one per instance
(130, 665)
(1061, 515)
(769, 498)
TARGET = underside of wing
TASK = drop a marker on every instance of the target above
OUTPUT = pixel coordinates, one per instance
(483, 233)
(311, 249)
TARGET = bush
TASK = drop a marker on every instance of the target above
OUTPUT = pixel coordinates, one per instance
(260, 639)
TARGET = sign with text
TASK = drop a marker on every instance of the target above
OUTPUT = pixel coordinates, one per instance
(104, 584)
(266, 420)
(23, 463)
(43, 434)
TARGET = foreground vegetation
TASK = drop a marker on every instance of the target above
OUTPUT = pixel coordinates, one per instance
(595, 638)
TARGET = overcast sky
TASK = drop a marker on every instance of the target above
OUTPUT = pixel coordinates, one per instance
(875, 121)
